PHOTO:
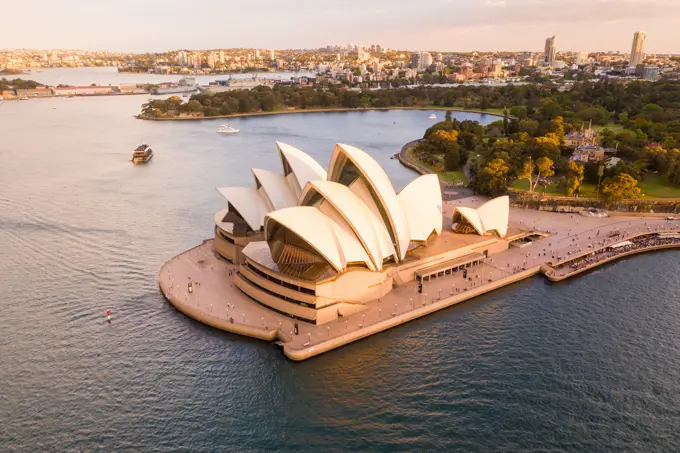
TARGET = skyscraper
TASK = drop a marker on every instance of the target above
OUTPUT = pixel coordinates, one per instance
(550, 50)
(421, 60)
(637, 53)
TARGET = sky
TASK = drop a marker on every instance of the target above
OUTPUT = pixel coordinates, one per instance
(437, 25)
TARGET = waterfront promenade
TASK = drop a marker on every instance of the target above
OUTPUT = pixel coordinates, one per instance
(215, 300)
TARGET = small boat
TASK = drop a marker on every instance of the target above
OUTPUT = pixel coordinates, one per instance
(227, 129)
(142, 154)
(432, 117)
(23, 98)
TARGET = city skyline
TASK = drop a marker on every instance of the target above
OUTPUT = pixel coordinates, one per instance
(443, 25)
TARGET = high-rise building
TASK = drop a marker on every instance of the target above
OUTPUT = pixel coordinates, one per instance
(212, 59)
(257, 54)
(651, 73)
(582, 58)
(421, 60)
(484, 67)
(550, 50)
(637, 53)
(182, 58)
(196, 61)
(222, 57)
(271, 55)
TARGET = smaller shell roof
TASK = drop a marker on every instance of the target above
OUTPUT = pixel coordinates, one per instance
(248, 203)
(493, 215)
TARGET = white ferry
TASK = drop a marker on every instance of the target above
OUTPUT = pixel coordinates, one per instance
(227, 129)
(432, 117)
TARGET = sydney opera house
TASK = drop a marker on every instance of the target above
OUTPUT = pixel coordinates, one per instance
(316, 245)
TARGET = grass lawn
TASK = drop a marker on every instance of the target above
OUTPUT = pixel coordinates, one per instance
(587, 190)
(614, 127)
(655, 186)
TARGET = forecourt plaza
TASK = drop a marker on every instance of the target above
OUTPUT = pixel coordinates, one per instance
(316, 259)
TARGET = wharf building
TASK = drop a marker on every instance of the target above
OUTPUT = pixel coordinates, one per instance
(317, 245)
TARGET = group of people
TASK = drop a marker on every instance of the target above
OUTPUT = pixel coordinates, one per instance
(638, 243)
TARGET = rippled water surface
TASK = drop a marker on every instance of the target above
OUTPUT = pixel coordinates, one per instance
(589, 365)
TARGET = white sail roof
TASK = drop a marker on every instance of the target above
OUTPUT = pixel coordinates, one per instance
(274, 191)
(276, 188)
(493, 215)
(312, 226)
(367, 228)
(380, 184)
(301, 165)
(248, 203)
(422, 203)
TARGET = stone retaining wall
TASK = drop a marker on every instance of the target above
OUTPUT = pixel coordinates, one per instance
(527, 200)
(306, 353)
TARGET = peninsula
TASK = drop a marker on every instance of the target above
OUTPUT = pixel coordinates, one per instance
(315, 259)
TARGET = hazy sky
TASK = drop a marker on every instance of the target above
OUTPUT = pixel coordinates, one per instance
(456, 25)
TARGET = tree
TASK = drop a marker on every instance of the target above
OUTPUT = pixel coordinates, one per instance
(452, 157)
(557, 130)
(194, 106)
(527, 172)
(519, 112)
(669, 142)
(600, 173)
(574, 177)
(493, 179)
(622, 186)
(542, 167)
(467, 140)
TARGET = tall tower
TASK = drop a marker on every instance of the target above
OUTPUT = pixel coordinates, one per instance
(550, 50)
(637, 53)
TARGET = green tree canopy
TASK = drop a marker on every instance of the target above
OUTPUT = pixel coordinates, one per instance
(621, 187)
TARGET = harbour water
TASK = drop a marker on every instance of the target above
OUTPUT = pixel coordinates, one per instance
(111, 76)
(590, 364)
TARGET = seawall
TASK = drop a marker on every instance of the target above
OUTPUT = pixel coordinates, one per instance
(306, 353)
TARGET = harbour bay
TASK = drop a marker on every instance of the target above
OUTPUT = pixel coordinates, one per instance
(535, 366)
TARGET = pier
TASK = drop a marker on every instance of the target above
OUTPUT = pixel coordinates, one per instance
(564, 245)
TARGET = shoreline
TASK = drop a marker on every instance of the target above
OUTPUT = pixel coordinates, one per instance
(202, 262)
(331, 110)
(61, 96)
